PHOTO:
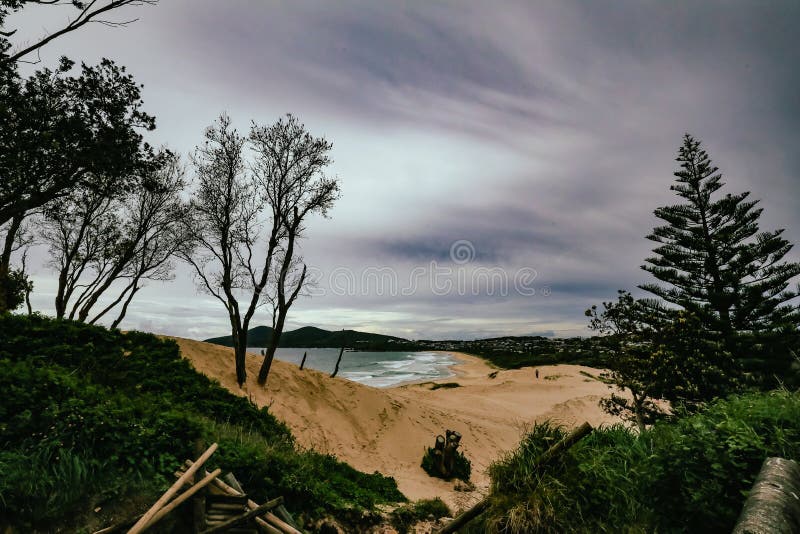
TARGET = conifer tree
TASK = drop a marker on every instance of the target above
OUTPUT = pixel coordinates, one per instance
(715, 263)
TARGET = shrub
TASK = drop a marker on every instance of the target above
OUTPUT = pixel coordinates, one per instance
(89, 413)
(690, 474)
(462, 467)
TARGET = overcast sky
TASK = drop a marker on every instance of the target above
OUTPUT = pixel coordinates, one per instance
(522, 146)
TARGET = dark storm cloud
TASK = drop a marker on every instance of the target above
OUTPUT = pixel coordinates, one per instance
(544, 133)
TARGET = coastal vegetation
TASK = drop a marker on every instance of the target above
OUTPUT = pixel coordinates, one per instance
(690, 474)
(93, 417)
(697, 368)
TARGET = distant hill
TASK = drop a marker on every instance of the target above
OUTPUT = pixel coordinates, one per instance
(312, 337)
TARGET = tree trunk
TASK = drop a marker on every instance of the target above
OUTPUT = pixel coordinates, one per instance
(239, 338)
(773, 506)
(5, 260)
(263, 373)
(638, 408)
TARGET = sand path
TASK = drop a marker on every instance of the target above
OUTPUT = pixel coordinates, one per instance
(386, 430)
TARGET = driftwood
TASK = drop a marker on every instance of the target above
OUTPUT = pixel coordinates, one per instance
(774, 503)
(252, 514)
(303, 361)
(571, 439)
(142, 524)
(271, 523)
(338, 360)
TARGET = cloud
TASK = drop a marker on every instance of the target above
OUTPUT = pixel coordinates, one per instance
(542, 133)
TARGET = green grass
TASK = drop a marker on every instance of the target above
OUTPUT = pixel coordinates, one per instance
(90, 416)
(689, 475)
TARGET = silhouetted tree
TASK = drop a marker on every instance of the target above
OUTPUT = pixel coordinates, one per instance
(716, 264)
(289, 169)
(246, 220)
(102, 240)
(60, 132)
(85, 11)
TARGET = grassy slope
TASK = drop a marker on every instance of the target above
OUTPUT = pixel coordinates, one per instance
(90, 415)
(689, 475)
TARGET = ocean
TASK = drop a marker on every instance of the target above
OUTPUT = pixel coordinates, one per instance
(376, 369)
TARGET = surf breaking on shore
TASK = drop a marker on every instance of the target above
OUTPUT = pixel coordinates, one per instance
(387, 430)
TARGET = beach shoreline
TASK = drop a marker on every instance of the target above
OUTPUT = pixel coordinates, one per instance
(388, 429)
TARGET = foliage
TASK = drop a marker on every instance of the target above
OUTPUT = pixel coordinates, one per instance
(718, 265)
(13, 287)
(685, 475)
(404, 517)
(93, 411)
(659, 353)
(61, 131)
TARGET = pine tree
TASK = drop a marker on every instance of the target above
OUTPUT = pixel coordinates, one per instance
(716, 263)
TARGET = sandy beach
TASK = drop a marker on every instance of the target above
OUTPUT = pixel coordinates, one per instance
(387, 430)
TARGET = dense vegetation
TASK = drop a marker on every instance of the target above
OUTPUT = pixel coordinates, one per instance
(541, 351)
(90, 415)
(685, 475)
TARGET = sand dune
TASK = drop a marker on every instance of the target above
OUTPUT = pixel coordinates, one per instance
(386, 430)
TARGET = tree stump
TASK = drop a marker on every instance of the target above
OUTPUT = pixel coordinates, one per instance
(444, 454)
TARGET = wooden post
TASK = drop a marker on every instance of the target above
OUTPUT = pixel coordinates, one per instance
(245, 517)
(303, 361)
(774, 502)
(451, 445)
(164, 499)
(571, 439)
(336, 370)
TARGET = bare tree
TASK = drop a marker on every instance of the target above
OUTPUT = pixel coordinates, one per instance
(224, 232)
(289, 168)
(247, 218)
(87, 11)
(101, 240)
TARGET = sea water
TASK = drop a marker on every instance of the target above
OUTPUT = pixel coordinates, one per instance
(376, 369)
